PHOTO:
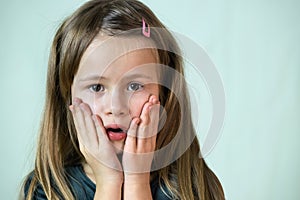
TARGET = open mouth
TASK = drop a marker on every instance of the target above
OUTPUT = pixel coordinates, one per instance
(115, 133)
(115, 130)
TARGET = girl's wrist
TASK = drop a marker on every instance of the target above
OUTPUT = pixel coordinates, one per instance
(107, 185)
(109, 181)
(140, 179)
(109, 190)
(137, 187)
(98, 176)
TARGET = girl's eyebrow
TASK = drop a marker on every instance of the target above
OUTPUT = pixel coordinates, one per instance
(134, 76)
(92, 78)
(131, 76)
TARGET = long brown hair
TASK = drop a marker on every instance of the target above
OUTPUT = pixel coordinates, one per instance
(187, 178)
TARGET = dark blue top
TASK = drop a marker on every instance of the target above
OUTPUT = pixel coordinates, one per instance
(84, 189)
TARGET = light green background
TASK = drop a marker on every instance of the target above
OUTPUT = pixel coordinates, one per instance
(256, 48)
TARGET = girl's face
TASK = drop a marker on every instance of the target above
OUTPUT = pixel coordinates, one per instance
(116, 84)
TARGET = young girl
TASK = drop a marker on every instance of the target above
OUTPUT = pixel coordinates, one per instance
(117, 119)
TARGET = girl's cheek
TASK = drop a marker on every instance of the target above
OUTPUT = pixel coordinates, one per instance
(138, 99)
(136, 103)
(90, 101)
(97, 106)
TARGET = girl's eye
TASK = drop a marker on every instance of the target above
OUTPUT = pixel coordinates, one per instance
(97, 88)
(135, 86)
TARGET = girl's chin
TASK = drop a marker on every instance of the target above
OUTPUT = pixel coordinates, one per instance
(119, 145)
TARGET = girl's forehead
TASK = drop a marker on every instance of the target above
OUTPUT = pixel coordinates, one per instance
(119, 55)
(110, 48)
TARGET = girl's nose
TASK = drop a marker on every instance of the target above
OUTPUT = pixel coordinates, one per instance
(115, 111)
(117, 105)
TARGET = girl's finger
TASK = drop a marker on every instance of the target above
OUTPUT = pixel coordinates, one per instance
(153, 99)
(154, 118)
(145, 114)
(79, 122)
(77, 101)
(130, 142)
(146, 135)
(86, 131)
(90, 130)
(101, 132)
(106, 154)
(80, 140)
(145, 119)
(154, 114)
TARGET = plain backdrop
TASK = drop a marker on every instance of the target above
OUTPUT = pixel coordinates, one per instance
(255, 46)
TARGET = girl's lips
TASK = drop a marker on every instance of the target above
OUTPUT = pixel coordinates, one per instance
(115, 132)
(116, 136)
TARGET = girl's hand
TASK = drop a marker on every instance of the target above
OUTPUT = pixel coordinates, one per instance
(95, 145)
(139, 149)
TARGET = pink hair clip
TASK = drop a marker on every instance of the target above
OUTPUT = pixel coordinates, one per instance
(146, 32)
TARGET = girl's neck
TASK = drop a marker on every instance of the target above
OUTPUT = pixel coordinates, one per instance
(89, 173)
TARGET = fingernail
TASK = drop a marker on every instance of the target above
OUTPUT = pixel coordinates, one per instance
(76, 100)
(81, 106)
(151, 98)
(137, 121)
(71, 108)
